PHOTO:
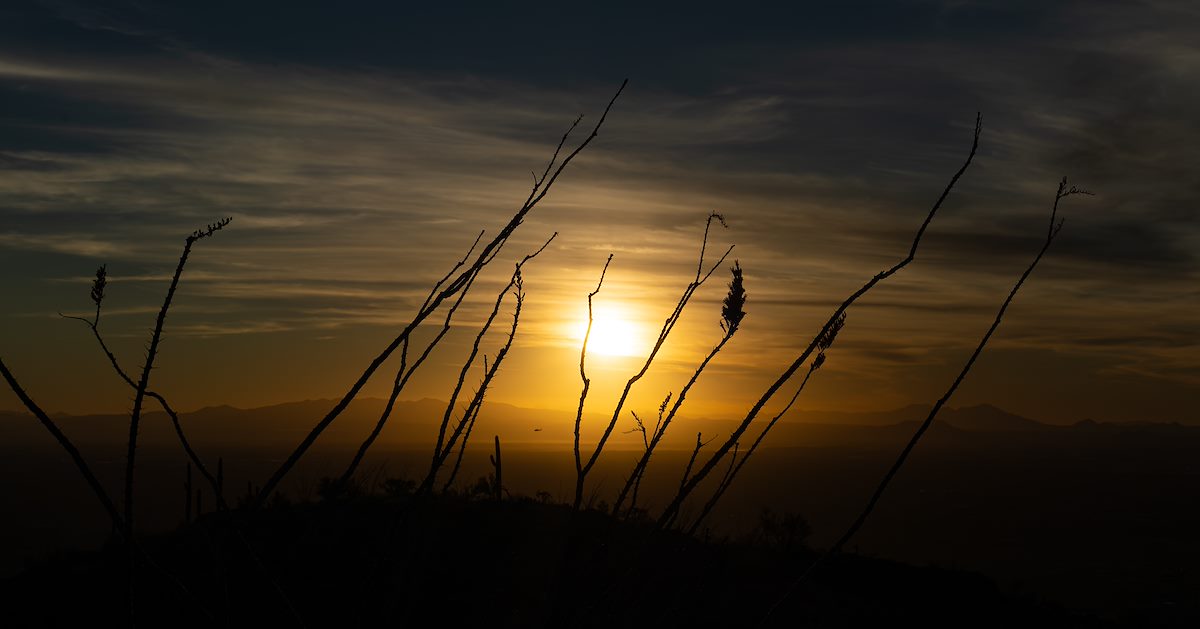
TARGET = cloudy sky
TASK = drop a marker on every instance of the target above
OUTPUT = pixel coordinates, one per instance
(361, 148)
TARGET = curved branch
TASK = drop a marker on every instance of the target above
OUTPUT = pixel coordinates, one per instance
(61, 438)
(587, 382)
(1053, 230)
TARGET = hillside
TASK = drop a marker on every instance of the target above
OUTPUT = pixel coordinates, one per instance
(1100, 517)
(459, 561)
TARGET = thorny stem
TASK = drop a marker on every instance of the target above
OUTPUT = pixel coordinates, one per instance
(587, 382)
(151, 353)
(139, 398)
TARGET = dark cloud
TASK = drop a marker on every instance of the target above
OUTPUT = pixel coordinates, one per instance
(530, 40)
(14, 163)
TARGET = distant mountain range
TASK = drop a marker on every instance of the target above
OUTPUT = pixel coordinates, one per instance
(983, 417)
(414, 423)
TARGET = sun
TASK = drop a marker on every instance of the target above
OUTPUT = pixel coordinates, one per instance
(613, 333)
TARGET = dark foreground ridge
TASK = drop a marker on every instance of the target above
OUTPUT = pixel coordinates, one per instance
(458, 559)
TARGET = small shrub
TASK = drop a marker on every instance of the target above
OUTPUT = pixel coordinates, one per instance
(482, 487)
(329, 488)
(786, 531)
(398, 487)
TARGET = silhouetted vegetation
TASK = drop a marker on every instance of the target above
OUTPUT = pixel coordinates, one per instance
(732, 313)
(406, 560)
(583, 468)
(412, 549)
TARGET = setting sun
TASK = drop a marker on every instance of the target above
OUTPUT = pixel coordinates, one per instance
(613, 334)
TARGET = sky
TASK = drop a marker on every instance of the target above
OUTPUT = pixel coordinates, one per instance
(361, 147)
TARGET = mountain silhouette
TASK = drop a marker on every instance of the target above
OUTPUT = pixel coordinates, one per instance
(414, 423)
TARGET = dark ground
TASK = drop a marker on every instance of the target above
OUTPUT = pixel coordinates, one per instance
(463, 561)
(1100, 519)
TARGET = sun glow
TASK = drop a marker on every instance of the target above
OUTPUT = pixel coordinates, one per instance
(613, 334)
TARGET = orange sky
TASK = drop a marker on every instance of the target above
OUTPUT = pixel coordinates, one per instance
(356, 181)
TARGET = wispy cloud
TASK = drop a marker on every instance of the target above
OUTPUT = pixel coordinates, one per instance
(69, 244)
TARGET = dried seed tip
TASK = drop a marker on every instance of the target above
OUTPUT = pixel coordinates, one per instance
(99, 283)
(826, 340)
(820, 360)
(210, 229)
(720, 219)
(733, 308)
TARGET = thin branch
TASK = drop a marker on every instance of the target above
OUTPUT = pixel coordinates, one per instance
(732, 459)
(687, 471)
(638, 426)
(639, 472)
(538, 181)
(458, 265)
(673, 508)
(61, 438)
(587, 382)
